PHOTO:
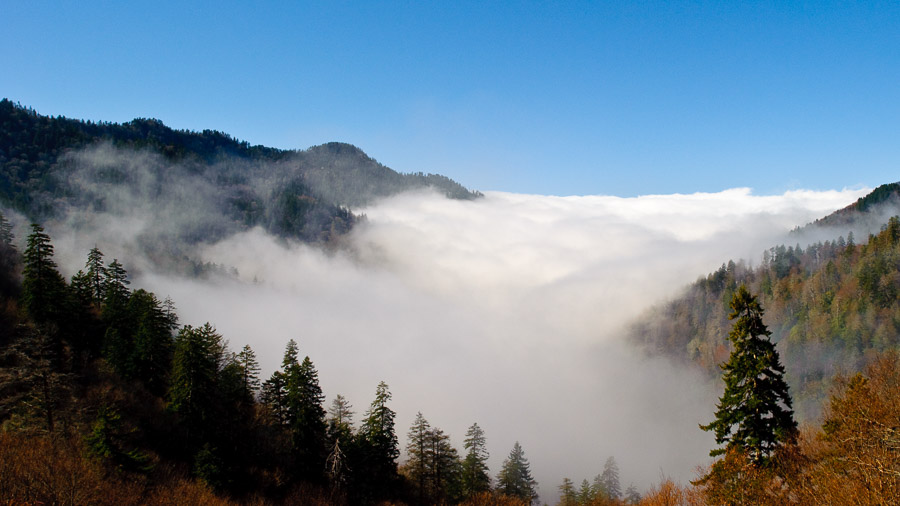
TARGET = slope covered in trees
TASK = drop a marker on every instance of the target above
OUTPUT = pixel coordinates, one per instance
(50, 166)
(830, 306)
(105, 399)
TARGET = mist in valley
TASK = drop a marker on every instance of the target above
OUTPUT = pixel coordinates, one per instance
(507, 311)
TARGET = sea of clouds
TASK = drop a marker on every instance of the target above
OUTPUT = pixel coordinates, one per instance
(507, 311)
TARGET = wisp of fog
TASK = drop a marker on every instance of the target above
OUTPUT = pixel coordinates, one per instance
(507, 311)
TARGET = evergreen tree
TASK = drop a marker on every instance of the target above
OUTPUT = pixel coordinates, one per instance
(417, 448)
(193, 392)
(754, 414)
(515, 476)
(340, 416)
(567, 495)
(443, 466)
(586, 494)
(96, 276)
(150, 355)
(610, 479)
(249, 369)
(9, 261)
(632, 496)
(308, 429)
(43, 288)
(475, 477)
(115, 287)
(379, 448)
(272, 396)
(340, 441)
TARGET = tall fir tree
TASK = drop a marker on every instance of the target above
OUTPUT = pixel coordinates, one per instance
(567, 495)
(308, 430)
(193, 390)
(417, 448)
(515, 478)
(610, 479)
(754, 414)
(475, 472)
(96, 276)
(378, 450)
(44, 290)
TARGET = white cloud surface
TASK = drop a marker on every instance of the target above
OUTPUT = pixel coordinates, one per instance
(507, 311)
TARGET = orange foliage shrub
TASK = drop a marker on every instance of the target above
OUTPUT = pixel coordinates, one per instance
(668, 493)
(492, 499)
(54, 471)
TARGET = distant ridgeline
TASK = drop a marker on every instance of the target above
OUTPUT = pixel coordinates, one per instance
(830, 305)
(50, 166)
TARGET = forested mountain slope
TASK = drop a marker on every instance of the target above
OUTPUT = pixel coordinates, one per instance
(830, 306)
(51, 166)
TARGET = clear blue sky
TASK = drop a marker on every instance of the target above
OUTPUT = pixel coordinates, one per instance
(621, 98)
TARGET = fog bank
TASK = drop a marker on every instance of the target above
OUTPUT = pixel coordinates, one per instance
(506, 311)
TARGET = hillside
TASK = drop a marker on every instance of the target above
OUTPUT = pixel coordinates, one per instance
(831, 306)
(51, 167)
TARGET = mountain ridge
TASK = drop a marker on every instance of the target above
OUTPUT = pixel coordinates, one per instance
(301, 194)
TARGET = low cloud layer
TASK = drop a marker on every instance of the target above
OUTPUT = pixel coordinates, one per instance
(507, 311)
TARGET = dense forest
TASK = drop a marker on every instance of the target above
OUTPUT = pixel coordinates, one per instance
(105, 398)
(52, 166)
(831, 305)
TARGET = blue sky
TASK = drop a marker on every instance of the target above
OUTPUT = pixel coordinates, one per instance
(562, 98)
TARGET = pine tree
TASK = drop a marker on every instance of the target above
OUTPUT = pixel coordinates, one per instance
(475, 477)
(417, 448)
(340, 415)
(340, 441)
(443, 466)
(754, 413)
(96, 276)
(379, 448)
(249, 369)
(43, 288)
(632, 496)
(586, 494)
(515, 476)
(308, 428)
(193, 391)
(567, 495)
(610, 479)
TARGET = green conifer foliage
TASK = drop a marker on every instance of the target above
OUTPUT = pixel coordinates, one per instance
(475, 477)
(754, 414)
(515, 476)
(43, 288)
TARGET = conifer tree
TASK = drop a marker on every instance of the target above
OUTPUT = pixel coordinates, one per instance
(193, 391)
(586, 494)
(43, 288)
(340, 441)
(379, 448)
(515, 476)
(567, 495)
(754, 413)
(96, 276)
(444, 467)
(249, 369)
(610, 479)
(308, 429)
(340, 416)
(475, 477)
(417, 448)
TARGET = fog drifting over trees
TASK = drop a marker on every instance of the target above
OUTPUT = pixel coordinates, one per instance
(506, 311)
